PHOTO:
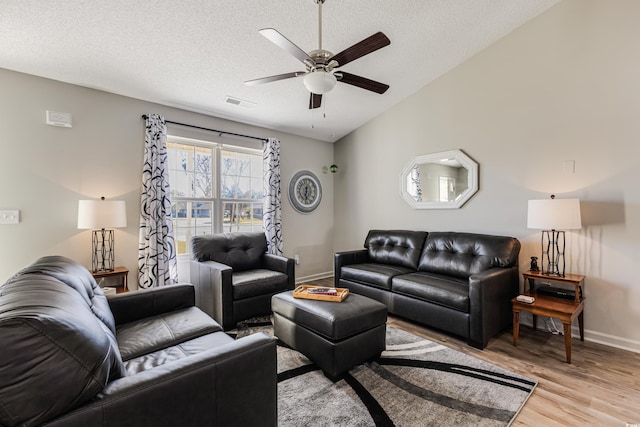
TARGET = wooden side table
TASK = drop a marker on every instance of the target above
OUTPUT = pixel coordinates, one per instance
(564, 310)
(118, 272)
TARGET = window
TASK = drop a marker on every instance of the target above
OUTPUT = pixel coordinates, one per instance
(447, 188)
(214, 189)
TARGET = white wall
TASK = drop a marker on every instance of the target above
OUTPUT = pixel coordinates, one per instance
(45, 170)
(565, 86)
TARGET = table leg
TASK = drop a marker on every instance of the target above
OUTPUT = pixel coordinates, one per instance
(529, 286)
(516, 327)
(567, 340)
(534, 321)
(581, 325)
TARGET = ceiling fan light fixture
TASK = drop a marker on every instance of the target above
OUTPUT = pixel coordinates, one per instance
(319, 82)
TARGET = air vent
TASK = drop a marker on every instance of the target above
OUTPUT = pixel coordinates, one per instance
(239, 102)
(58, 119)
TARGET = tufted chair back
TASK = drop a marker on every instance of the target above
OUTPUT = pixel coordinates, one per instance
(395, 247)
(464, 254)
(241, 251)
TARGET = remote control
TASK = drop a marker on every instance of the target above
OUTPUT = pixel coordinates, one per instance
(526, 299)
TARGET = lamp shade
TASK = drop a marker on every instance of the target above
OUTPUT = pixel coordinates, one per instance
(98, 214)
(554, 214)
(319, 82)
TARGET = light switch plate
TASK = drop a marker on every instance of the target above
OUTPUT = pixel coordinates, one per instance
(9, 217)
(569, 166)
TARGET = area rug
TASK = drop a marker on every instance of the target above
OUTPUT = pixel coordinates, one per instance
(415, 382)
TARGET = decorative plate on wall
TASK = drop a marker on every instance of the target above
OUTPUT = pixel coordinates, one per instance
(305, 191)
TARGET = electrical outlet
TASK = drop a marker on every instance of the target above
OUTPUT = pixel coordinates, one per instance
(10, 217)
(296, 258)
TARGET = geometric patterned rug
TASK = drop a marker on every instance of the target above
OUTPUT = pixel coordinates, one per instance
(415, 382)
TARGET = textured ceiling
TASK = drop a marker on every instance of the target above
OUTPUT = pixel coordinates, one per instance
(192, 54)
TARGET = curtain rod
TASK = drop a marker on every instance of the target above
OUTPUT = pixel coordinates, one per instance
(221, 132)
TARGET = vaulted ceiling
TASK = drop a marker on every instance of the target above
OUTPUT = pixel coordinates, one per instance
(194, 54)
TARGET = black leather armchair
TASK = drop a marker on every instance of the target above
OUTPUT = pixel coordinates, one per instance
(235, 277)
(69, 356)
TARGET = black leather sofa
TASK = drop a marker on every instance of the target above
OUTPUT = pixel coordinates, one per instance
(235, 277)
(461, 283)
(71, 357)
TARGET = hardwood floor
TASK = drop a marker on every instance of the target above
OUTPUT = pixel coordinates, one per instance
(601, 387)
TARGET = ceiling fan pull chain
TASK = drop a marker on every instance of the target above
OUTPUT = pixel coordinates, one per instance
(324, 109)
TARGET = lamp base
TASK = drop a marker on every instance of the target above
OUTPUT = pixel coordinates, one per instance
(554, 253)
(102, 250)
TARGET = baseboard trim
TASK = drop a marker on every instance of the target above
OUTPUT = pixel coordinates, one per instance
(589, 335)
(312, 277)
(609, 340)
(604, 339)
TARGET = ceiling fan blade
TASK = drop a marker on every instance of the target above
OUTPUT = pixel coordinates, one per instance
(361, 82)
(281, 41)
(315, 101)
(358, 50)
(274, 78)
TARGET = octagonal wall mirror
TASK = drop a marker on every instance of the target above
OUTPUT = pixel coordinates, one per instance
(445, 180)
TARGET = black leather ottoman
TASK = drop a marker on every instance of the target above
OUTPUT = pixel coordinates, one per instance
(335, 335)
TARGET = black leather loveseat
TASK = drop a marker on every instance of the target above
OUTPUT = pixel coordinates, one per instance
(461, 283)
(71, 357)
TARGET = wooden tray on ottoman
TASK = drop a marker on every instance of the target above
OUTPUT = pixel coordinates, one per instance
(301, 292)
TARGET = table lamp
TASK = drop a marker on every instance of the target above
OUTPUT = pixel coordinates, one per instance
(553, 216)
(101, 216)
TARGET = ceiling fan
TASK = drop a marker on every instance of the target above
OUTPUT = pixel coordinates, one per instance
(320, 77)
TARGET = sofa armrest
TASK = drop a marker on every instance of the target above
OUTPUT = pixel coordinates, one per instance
(283, 265)
(130, 306)
(490, 295)
(214, 290)
(232, 385)
(340, 259)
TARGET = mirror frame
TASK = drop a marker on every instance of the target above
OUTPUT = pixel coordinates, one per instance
(472, 179)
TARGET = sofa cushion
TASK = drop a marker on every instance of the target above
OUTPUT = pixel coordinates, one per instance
(240, 251)
(395, 247)
(150, 334)
(376, 275)
(57, 348)
(176, 352)
(76, 276)
(442, 290)
(464, 254)
(247, 284)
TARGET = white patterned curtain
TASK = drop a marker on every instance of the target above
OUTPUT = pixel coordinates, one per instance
(156, 253)
(272, 216)
(415, 185)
